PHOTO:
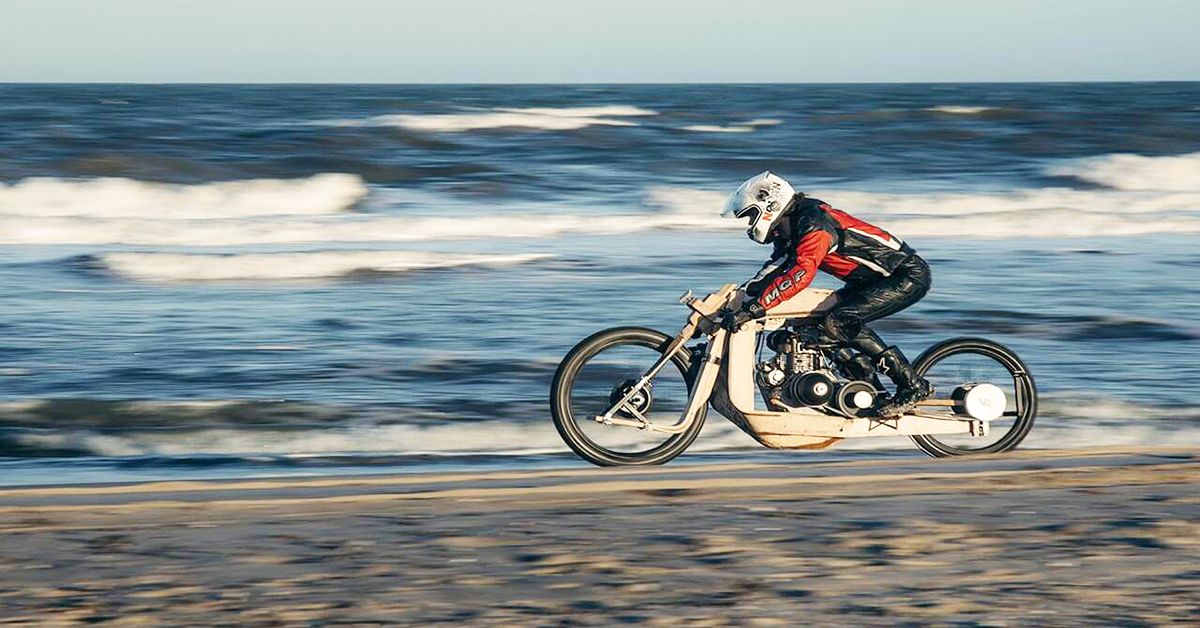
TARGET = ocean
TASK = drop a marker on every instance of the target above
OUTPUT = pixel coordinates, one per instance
(233, 281)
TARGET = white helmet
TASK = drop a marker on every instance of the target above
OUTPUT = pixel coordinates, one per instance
(763, 198)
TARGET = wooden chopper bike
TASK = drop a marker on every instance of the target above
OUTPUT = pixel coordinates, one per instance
(636, 396)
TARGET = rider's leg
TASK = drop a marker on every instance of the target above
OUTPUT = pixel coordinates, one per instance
(858, 305)
(911, 388)
(844, 326)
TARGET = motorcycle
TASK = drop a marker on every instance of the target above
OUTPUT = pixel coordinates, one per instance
(636, 396)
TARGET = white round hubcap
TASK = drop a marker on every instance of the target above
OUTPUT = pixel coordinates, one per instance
(985, 402)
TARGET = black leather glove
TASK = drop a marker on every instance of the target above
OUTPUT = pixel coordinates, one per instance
(749, 311)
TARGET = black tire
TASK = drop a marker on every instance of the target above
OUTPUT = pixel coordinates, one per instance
(1025, 400)
(568, 424)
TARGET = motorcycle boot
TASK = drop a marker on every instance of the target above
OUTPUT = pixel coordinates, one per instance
(855, 365)
(911, 388)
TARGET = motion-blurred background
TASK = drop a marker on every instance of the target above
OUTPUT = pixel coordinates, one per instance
(269, 278)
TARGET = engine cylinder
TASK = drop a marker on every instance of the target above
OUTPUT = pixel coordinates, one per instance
(780, 341)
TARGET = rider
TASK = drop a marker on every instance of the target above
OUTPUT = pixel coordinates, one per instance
(883, 275)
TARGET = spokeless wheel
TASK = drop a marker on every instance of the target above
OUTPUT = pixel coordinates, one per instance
(597, 373)
(1003, 389)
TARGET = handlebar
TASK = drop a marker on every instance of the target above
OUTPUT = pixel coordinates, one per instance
(712, 303)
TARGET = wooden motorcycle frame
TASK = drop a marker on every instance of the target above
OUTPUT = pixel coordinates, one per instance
(726, 377)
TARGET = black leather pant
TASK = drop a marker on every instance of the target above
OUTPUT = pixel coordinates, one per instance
(861, 303)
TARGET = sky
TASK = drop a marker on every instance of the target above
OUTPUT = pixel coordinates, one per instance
(590, 41)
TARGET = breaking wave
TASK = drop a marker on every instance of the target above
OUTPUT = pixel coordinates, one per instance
(1076, 327)
(1083, 419)
(1059, 223)
(1147, 195)
(1050, 212)
(540, 118)
(175, 267)
(507, 438)
(1121, 171)
(357, 229)
(462, 437)
(322, 194)
(1053, 212)
(1066, 420)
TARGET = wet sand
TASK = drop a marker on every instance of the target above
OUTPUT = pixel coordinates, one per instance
(1097, 537)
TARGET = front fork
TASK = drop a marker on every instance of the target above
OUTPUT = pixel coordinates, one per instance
(702, 385)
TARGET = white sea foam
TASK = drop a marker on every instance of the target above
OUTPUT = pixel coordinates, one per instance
(1030, 200)
(741, 127)
(1066, 421)
(349, 228)
(451, 438)
(1144, 203)
(959, 110)
(1121, 171)
(362, 230)
(542, 118)
(712, 128)
(1085, 419)
(1051, 223)
(586, 112)
(1052, 212)
(126, 198)
(177, 267)
(267, 212)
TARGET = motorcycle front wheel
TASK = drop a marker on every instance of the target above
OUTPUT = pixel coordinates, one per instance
(597, 373)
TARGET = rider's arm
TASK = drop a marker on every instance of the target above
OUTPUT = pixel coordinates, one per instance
(755, 285)
(780, 255)
(786, 281)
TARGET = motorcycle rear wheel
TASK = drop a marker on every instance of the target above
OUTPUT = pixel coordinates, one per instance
(575, 402)
(1022, 393)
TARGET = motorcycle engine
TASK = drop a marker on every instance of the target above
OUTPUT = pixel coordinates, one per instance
(799, 376)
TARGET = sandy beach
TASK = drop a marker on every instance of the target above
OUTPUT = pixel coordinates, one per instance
(1034, 538)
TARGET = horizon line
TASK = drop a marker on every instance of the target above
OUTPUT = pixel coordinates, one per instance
(586, 83)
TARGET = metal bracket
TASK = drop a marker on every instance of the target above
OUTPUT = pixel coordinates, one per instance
(876, 422)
